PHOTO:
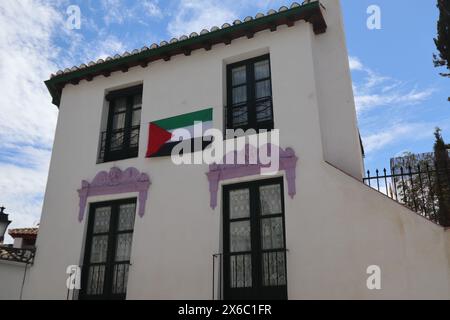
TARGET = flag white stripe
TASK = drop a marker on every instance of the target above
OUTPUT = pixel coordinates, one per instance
(191, 135)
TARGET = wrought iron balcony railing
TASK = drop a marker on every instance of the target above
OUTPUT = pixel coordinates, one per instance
(119, 144)
(242, 115)
(271, 274)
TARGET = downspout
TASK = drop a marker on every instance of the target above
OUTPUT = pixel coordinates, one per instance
(23, 280)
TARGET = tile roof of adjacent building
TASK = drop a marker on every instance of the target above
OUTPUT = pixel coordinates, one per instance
(309, 11)
(8, 253)
(24, 233)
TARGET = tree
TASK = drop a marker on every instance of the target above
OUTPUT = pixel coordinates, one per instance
(442, 59)
(422, 181)
(414, 183)
(442, 160)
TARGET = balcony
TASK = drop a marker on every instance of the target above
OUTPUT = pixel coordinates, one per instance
(119, 144)
(257, 115)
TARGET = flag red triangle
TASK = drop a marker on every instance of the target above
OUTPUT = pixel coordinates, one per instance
(157, 137)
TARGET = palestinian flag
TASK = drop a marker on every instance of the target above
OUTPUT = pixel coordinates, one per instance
(161, 140)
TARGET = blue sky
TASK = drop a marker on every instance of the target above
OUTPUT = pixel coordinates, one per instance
(400, 96)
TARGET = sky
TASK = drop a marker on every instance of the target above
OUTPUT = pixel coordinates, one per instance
(400, 97)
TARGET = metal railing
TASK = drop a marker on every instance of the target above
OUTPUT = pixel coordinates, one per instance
(267, 267)
(240, 113)
(118, 142)
(424, 189)
(94, 277)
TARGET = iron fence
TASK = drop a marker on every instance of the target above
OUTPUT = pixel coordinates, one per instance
(424, 188)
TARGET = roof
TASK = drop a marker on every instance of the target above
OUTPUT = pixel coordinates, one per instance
(310, 12)
(8, 253)
(24, 233)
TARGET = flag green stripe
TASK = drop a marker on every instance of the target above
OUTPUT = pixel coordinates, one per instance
(185, 120)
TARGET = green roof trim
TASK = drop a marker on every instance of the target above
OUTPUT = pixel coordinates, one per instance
(310, 12)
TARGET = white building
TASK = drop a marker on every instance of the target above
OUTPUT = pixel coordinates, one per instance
(145, 228)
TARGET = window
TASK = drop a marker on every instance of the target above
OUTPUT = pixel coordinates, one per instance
(108, 249)
(254, 241)
(249, 95)
(121, 139)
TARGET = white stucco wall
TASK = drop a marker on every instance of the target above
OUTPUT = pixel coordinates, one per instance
(336, 226)
(340, 136)
(11, 279)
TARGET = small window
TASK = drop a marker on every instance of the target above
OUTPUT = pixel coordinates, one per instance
(249, 95)
(121, 138)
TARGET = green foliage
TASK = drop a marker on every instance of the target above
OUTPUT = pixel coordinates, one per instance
(423, 182)
(442, 59)
(443, 178)
(415, 187)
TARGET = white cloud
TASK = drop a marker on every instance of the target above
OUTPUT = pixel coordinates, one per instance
(397, 133)
(26, 53)
(28, 118)
(108, 46)
(355, 64)
(119, 12)
(22, 184)
(376, 90)
(152, 8)
(381, 139)
(391, 98)
(195, 15)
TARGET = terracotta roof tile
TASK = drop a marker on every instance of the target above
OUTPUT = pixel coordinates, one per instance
(24, 232)
(309, 11)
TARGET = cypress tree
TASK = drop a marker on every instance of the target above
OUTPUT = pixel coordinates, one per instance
(442, 160)
(442, 59)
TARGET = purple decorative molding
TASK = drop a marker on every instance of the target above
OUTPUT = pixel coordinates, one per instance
(114, 182)
(217, 173)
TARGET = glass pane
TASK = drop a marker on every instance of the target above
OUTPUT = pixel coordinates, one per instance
(240, 204)
(120, 278)
(264, 110)
(134, 138)
(241, 271)
(239, 75)
(262, 89)
(240, 236)
(119, 121)
(96, 279)
(123, 247)
(101, 220)
(272, 233)
(137, 101)
(240, 116)
(126, 216)
(274, 269)
(99, 249)
(262, 70)
(120, 105)
(270, 199)
(239, 95)
(136, 121)
(117, 140)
